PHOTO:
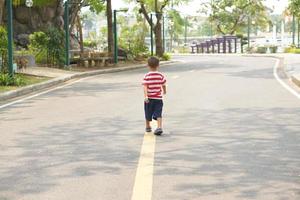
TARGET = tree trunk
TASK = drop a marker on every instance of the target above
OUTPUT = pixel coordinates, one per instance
(2, 7)
(110, 38)
(158, 37)
(80, 35)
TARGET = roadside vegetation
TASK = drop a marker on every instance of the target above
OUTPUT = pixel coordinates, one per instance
(8, 83)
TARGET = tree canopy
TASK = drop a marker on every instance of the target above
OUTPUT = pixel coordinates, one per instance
(230, 16)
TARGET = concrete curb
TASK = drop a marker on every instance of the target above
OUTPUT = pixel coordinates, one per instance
(296, 80)
(57, 81)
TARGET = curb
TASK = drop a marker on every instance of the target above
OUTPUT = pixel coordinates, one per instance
(295, 80)
(57, 81)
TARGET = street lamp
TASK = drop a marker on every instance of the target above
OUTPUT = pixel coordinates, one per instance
(29, 3)
(116, 34)
(67, 32)
(10, 36)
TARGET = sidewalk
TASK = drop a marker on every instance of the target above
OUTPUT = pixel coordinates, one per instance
(48, 72)
(59, 76)
(292, 67)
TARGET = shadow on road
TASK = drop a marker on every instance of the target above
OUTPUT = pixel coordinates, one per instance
(244, 153)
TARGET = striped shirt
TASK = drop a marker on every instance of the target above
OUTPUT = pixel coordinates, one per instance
(154, 82)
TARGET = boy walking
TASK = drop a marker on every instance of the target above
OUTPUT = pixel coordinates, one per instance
(154, 84)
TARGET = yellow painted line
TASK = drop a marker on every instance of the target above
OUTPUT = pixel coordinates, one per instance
(142, 189)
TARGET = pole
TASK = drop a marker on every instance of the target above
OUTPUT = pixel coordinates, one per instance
(115, 38)
(67, 32)
(164, 39)
(298, 34)
(10, 37)
(248, 34)
(211, 25)
(185, 32)
(151, 27)
(294, 27)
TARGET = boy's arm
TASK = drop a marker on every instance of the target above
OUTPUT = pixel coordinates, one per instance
(164, 89)
(145, 91)
(146, 94)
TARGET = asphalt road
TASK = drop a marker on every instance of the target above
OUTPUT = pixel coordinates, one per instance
(231, 132)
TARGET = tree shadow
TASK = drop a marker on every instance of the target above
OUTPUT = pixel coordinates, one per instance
(60, 152)
(249, 153)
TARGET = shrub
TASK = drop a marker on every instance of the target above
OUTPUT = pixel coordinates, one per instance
(90, 43)
(38, 45)
(261, 50)
(7, 80)
(273, 49)
(3, 49)
(166, 57)
(48, 46)
(292, 49)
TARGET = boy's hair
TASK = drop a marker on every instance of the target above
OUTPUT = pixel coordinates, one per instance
(153, 62)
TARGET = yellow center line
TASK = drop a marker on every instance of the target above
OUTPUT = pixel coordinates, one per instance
(142, 189)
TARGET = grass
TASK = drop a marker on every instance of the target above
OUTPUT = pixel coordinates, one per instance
(28, 80)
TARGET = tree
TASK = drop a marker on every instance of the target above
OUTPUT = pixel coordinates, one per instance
(2, 2)
(146, 7)
(178, 24)
(231, 16)
(110, 38)
(294, 7)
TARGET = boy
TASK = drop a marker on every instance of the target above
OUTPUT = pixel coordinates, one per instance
(154, 86)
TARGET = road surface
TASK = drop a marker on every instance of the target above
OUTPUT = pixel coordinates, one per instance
(231, 132)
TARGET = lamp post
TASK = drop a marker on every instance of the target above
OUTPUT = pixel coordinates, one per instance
(185, 30)
(67, 32)
(10, 36)
(29, 4)
(298, 30)
(116, 34)
(294, 27)
(248, 32)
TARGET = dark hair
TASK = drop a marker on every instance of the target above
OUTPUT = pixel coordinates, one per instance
(153, 62)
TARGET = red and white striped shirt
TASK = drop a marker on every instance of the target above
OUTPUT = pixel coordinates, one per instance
(154, 82)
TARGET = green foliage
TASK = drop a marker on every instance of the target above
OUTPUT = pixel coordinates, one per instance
(132, 37)
(177, 24)
(96, 6)
(48, 47)
(38, 46)
(261, 50)
(7, 80)
(273, 49)
(231, 16)
(3, 49)
(294, 7)
(90, 43)
(56, 46)
(292, 50)
(166, 57)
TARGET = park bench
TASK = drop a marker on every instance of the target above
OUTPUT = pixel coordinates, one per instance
(97, 59)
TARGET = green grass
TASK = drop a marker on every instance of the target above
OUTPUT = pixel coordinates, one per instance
(28, 80)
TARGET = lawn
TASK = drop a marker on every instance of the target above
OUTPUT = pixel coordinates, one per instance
(28, 80)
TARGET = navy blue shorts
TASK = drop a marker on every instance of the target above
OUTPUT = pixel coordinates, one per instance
(153, 109)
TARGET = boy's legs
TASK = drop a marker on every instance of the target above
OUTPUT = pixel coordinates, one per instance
(148, 124)
(159, 122)
(148, 114)
(158, 116)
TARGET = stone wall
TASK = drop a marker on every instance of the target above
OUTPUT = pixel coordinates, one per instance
(29, 20)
